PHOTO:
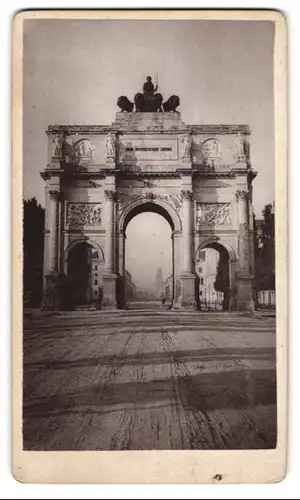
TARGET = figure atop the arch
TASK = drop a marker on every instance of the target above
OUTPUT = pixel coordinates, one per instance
(149, 101)
(148, 87)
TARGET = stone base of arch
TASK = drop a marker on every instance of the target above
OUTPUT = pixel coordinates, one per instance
(188, 300)
(51, 295)
(245, 300)
(56, 296)
(109, 291)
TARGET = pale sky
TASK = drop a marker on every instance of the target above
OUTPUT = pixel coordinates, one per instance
(148, 247)
(74, 71)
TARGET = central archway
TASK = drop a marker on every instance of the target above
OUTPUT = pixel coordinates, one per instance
(165, 210)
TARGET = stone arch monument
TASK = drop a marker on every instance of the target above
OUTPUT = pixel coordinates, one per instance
(199, 177)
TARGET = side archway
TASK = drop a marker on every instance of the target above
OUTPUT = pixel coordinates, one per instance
(86, 240)
(83, 270)
(215, 268)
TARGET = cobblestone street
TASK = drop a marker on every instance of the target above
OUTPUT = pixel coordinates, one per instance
(149, 379)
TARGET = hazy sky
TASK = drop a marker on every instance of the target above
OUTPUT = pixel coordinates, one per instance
(148, 236)
(222, 71)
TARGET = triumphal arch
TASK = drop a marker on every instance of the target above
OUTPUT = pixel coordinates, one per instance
(98, 177)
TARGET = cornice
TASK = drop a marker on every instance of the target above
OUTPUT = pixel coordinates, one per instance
(146, 175)
(219, 129)
(134, 127)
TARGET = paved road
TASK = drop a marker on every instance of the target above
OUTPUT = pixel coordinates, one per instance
(149, 380)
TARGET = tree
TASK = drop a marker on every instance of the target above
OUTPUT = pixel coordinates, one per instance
(265, 249)
(221, 283)
(33, 251)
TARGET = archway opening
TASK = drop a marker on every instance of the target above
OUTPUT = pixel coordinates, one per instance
(212, 269)
(148, 270)
(84, 273)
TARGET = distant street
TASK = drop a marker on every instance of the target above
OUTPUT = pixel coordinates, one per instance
(149, 379)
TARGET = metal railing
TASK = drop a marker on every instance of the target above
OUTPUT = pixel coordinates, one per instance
(266, 299)
(211, 301)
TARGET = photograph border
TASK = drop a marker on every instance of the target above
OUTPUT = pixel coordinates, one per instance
(168, 466)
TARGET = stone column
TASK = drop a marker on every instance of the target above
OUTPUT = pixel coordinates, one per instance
(121, 298)
(109, 241)
(177, 268)
(53, 229)
(51, 271)
(196, 236)
(188, 276)
(251, 235)
(109, 277)
(244, 284)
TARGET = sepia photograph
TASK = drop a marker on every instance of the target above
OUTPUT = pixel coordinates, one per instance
(149, 286)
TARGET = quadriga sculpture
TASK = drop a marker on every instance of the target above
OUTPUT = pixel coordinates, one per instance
(149, 100)
(150, 103)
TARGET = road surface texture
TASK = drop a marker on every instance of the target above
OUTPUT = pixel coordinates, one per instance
(149, 379)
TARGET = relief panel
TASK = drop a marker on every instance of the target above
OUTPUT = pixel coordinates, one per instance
(83, 214)
(217, 214)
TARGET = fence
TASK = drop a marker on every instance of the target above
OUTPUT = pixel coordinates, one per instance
(266, 299)
(211, 301)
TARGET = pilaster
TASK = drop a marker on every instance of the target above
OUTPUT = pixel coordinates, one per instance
(188, 277)
(109, 276)
(244, 277)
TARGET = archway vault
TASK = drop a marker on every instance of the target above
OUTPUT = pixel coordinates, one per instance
(131, 210)
(155, 205)
(218, 244)
(88, 241)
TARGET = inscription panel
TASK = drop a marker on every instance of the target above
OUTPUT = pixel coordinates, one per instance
(132, 150)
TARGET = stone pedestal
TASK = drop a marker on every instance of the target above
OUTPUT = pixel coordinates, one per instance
(109, 291)
(120, 266)
(245, 300)
(188, 291)
(176, 241)
(51, 296)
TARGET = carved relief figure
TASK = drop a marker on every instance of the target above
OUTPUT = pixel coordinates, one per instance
(186, 145)
(211, 153)
(57, 145)
(214, 213)
(211, 149)
(110, 145)
(79, 214)
(240, 144)
(176, 199)
(246, 147)
(84, 151)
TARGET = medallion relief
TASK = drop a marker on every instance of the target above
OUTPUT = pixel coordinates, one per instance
(84, 152)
